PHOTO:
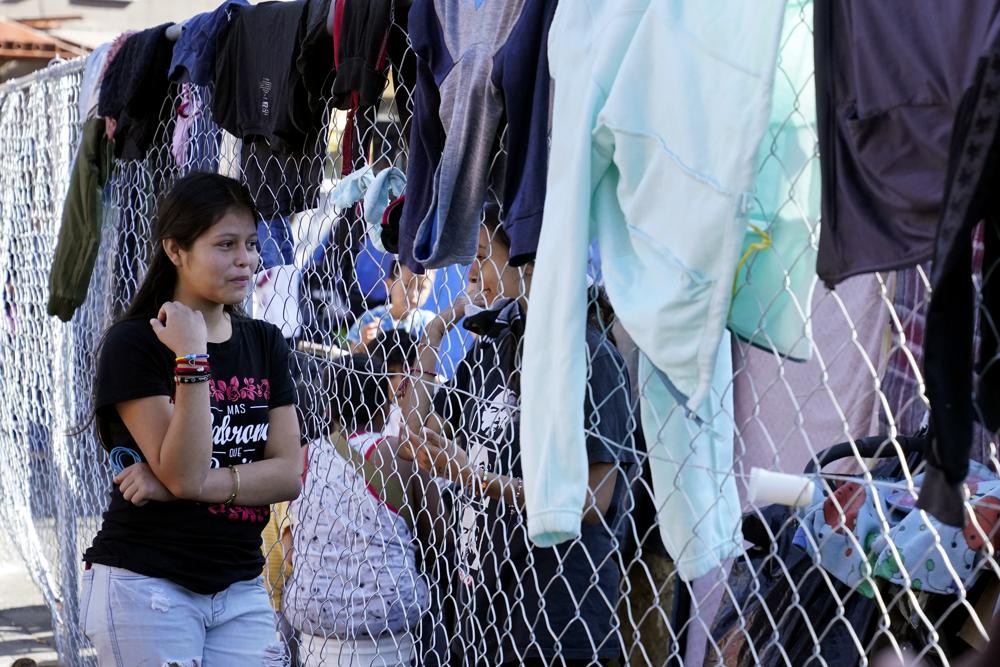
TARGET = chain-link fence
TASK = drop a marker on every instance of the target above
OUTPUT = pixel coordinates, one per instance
(380, 557)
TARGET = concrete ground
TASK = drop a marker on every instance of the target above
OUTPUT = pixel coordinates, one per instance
(25, 623)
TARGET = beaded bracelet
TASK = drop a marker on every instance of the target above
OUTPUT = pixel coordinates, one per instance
(192, 358)
(191, 379)
(518, 491)
(189, 368)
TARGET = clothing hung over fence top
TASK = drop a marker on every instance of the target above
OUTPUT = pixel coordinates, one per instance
(963, 384)
(477, 63)
(888, 83)
(133, 88)
(639, 170)
(194, 53)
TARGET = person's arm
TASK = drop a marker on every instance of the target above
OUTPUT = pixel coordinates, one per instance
(417, 403)
(431, 515)
(440, 457)
(176, 440)
(287, 542)
(364, 330)
(276, 478)
(424, 503)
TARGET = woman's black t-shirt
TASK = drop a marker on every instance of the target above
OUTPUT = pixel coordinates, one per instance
(202, 546)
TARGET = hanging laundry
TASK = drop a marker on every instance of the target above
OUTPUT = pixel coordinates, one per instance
(777, 268)
(315, 58)
(369, 40)
(259, 98)
(888, 81)
(82, 217)
(196, 141)
(375, 191)
(187, 110)
(351, 188)
(477, 62)
(133, 90)
(254, 83)
(387, 186)
(110, 124)
(202, 142)
(402, 63)
(949, 355)
(193, 59)
(691, 464)
(659, 174)
(361, 51)
(280, 183)
(391, 217)
(902, 383)
(90, 84)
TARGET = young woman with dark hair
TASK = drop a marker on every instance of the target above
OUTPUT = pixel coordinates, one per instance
(194, 403)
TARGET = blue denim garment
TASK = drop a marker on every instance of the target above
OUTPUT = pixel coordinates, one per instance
(132, 619)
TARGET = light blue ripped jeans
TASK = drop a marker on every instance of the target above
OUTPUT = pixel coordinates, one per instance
(132, 619)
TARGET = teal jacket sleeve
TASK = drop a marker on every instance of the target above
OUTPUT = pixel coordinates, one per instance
(554, 375)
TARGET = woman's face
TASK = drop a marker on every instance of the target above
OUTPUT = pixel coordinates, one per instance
(219, 266)
(490, 275)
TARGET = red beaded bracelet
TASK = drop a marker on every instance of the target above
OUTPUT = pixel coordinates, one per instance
(191, 370)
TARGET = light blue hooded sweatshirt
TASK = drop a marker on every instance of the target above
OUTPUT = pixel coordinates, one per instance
(660, 106)
(772, 302)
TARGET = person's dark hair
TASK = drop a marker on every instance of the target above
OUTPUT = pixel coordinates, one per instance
(394, 351)
(194, 203)
(357, 392)
(600, 313)
(395, 347)
(492, 222)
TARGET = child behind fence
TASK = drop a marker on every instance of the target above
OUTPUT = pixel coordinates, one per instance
(520, 604)
(408, 293)
(355, 592)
